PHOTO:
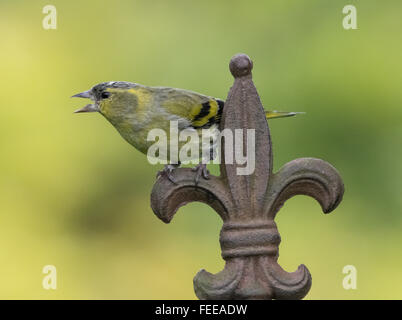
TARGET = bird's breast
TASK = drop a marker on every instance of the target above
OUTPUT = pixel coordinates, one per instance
(169, 136)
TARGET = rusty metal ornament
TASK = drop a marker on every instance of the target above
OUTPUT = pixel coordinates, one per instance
(248, 204)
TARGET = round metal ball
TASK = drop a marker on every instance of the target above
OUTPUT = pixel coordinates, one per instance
(240, 65)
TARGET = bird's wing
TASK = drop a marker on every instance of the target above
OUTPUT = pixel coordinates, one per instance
(201, 111)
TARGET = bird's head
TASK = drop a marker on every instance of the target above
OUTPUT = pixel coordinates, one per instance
(114, 100)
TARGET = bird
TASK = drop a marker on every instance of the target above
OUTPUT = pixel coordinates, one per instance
(134, 110)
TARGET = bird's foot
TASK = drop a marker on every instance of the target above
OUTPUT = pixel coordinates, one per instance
(167, 173)
(201, 171)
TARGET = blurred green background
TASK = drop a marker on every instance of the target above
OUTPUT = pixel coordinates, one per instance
(75, 195)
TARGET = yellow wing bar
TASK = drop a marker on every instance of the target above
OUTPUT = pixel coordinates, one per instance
(206, 113)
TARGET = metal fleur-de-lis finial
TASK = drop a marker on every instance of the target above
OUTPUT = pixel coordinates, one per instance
(248, 204)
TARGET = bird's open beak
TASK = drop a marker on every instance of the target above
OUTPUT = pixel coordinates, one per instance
(88, 107)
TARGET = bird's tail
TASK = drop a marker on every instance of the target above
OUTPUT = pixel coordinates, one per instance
(280, 114)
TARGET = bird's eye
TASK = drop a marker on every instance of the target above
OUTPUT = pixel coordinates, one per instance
(105, 95)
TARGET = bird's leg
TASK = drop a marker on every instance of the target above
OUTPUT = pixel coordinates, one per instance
(201, 170)
(167, 172)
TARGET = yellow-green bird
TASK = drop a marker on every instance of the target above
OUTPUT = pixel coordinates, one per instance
(134, 110)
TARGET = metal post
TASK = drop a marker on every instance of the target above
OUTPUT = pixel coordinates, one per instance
(248, 204)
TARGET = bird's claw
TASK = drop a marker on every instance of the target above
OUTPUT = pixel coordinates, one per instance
(201, 171)
(167, 173)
